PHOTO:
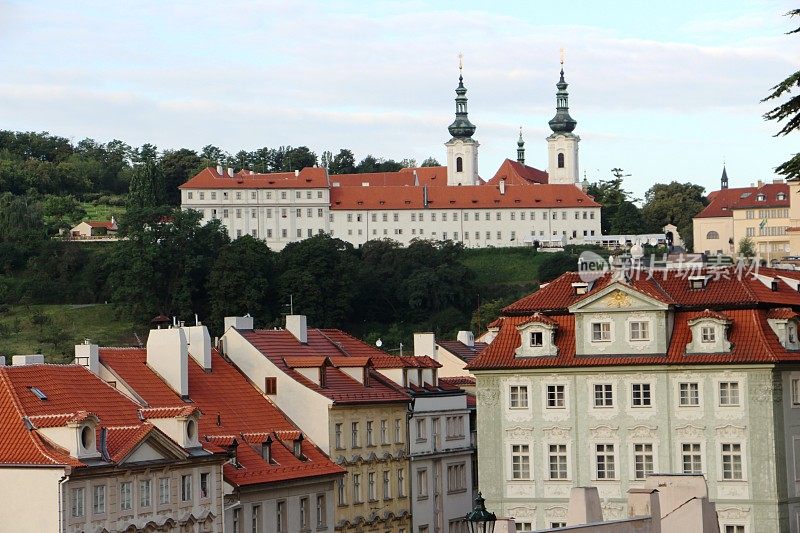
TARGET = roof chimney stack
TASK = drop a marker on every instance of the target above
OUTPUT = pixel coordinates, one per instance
(23, 360)
(502, 186)
(199, 345)
(88, 356)
(296, 325)
(230, 171)
(425, 344)
(168, 356)
(239, 322)
(296, 173)
(219, 170)
(466, 338)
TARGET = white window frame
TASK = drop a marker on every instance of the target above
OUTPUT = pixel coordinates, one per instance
(708, 334)
(523, 452)
(689, 396)
(653, 454)
(701, 452)
(605, 334)
(642, 333)
(649, 389)
(742, 461)
(519, 402)
(613, 455)
(607, 402)
(726, 385)
(794, 389)
(555, 396)
(549, 454)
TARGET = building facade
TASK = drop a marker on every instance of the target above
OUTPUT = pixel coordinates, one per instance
(78, 455)
(276, 480)
(606, 383)
(517, 206)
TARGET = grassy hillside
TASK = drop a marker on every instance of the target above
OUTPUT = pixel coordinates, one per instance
(503, 266)
(98, 211)
(53, 330)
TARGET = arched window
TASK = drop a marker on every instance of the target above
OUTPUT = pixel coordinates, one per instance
(712, 235)
(560, 160)
(459, 165)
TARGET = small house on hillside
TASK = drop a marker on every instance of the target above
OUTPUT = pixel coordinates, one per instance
(94, 228)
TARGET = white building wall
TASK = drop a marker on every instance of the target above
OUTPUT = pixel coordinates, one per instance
(559, 143)
(30, 499)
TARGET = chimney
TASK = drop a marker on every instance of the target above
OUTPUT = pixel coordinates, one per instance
(230, 171)
(219, 170)
(167, 355)
(760, 183)
(23, 360)
(425, 196)
(239, 322)
(466, 338)
(88, 356)
(425, 344)
(199, 345)
(584, 506)
(296, 173)
(296, 325)
(502, 186)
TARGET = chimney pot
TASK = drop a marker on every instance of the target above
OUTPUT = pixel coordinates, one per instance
(219, 170)
(230, 171)
(297, 326)
(296, 173)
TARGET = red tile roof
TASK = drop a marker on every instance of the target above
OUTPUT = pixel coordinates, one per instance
(241, 410)
(518, 174)
(461, 350)
(460, 197)
(771, 192)
(309, 178)
(782, 313)
(339, 386)
(458, 380)
(102, 224)
(746, 303)
(723, 202)
(73, 394)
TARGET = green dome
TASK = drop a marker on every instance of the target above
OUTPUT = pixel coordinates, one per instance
(461, 128)
(562, 122)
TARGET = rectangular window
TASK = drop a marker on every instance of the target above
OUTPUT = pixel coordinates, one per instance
(204, 484)
(603, 395)
(734, 529)
(371, 486)
(303, 513)
(422, 429)
(99, 499)
(145, 486)
(640, 396)
(370, 441)
(238, 213)
(354, 434)
(520, 461)
(224, 213)
(341, 491)
(557, 458)
(729, 393)
(387, 485)
(163, 491)
(422, 483)
(384, 432)
(189, 195)
(555, 396)
(433, 217)
(238, 195)
(642, 460)
(640, 331)
(456, 477)
(255, 519)
(225, 195)
(708, 334)
(604, 458)
(337, 432)
(186, 488)
(601, 331)
(518, 398)
(731, 461)
(270, 385)
(125, 496)
(689, 394)
(78, 502)
(297, 194)
(237, 520)
(281, 522)
(322, 515)
(795, 391)
(455, 427)
(401, 483)
(536, 339)
(691, 458)
(357, 488)
(398, 431)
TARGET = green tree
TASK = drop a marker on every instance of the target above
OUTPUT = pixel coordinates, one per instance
(62, 211)
(612, 197)
(627, 219)
(243, 281)
(556, 263)
(299, 158)
(430, 162)
(177, 166)
(343, 163)
(788, 111)
(747, 248)
(673, 203)
(147, 184)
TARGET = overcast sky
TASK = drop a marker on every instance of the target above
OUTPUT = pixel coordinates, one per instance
(665, 90)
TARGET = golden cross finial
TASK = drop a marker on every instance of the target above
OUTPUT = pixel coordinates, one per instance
(562, 55)
(460, 61)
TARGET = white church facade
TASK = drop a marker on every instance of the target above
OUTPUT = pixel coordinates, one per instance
(520, 205)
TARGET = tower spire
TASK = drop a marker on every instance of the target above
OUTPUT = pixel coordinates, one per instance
(520, 148)
(724, 178)
(562, 122)
(461, 128)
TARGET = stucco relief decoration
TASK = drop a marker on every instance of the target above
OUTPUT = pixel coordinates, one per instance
(604, 432)
(519, 490)
(522, 512)
(766, 389)
(556, 432)
(519, 433)
(690, 430)
(611, 510)
(733, 513)
(641, 432)
(618, 299)
(731, 431)
(556, 511)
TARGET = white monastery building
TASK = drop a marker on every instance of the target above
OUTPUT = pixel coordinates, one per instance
(517, 206)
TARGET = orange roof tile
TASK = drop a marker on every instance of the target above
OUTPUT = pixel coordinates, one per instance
(308, 178)
(516, 173)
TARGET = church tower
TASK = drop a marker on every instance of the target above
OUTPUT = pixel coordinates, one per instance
(724, 179)
(462, 149)
(520, 148)
(562, 145)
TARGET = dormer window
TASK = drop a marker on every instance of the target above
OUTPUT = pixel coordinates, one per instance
(781, 196)
(708, 334)
(536, 339)
(697, 282)
(761, 197)
(266, 450)
(640, 330)
(88, 438)
(191, 429)
(580, 288)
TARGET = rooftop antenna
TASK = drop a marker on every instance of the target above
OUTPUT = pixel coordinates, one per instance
(290, 305)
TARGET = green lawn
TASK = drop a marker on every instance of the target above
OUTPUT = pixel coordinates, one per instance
(53, 330)
(504, 266)
(102, 211)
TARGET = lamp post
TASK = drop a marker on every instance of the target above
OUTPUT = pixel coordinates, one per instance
(479, 519)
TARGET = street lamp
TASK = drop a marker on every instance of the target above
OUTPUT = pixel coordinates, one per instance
(479, 519)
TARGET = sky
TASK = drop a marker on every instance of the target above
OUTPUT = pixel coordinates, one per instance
(664, 90)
